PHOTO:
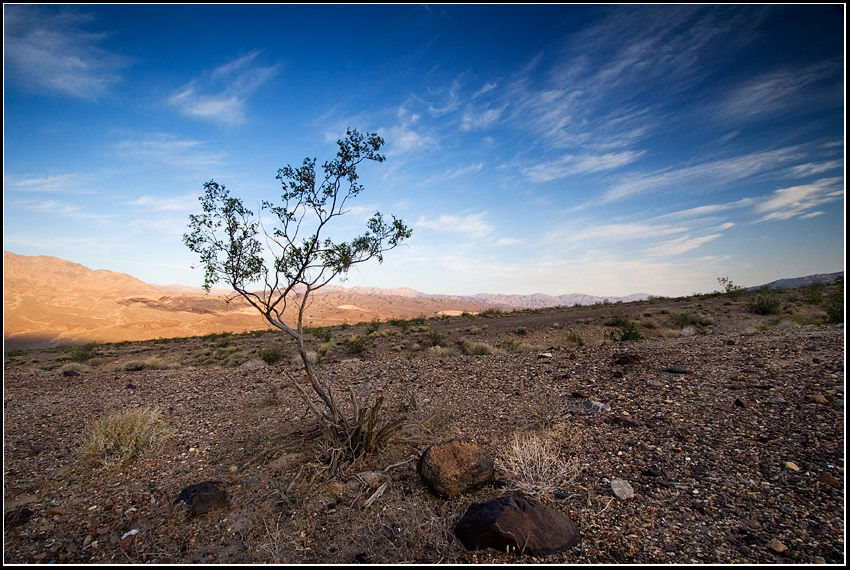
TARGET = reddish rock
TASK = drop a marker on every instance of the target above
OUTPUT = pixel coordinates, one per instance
(453, 468)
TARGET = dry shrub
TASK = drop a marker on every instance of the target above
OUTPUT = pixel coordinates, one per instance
(533, 465)
(117, 438)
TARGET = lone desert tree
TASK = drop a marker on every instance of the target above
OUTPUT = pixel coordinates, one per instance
(227, 237)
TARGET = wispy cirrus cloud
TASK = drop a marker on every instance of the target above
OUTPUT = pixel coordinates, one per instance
(49, 50)
(701, 175)
(472, 225)
(780, 91)
(584, 163)
(184, 203)
(170, 149)
(800, 201)
(221, 95)
(67, 183)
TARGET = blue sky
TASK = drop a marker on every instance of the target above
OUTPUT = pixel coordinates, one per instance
(606, 150)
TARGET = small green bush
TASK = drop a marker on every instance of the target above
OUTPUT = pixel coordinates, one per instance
(835, 307)
(685, 319)
(764, 303)
(84, 352)
(357, 344)
(271, 355)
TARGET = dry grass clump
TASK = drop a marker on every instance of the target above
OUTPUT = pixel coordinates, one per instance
(533, 465)
(477, 348)
(117, 438)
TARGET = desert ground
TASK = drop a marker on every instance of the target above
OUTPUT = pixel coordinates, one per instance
(728, 425)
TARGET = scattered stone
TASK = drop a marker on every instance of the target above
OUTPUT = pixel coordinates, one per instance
(516, 523)
(740, 403)
(829, 479)
(453, 468)
(70, 373)
(288, 461)
(791, 466)
(625, 421)
(626, 359)
(203, 497)
(544, 355)
(777, 546)
(128, 537)
(656, 383)
(817, 399)
(622, 489)
(678, 370)
(753, 524)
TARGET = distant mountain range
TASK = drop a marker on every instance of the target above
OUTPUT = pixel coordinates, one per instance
(535, 301)
(49, 301)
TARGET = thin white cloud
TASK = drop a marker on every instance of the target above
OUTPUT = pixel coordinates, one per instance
(444, 177)
(474, 120)
(778, 92)
(812, 168)
(579, 164)
(66, 183)
(702, 175)
(169, 149)
(680, 245)
(472, 225)
(221, 95)
(184, 203)
(798, 201)
(50, 51)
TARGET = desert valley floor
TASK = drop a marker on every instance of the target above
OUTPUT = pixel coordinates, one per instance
(729, 426)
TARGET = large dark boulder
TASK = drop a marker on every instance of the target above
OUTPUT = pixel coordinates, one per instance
(517, 523)
(453, 468)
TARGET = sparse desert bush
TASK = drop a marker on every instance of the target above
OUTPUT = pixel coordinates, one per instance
(765, 302)
(490, 313)
(629, 331)
(835, 307)
(575, 337)
(271, 355)
(438, 351)
(322, 333)
(117, 438)
(152, 363)
(533, 465)
(436, 339)
(521, 331)
(357, 344)
(84, 352)
(684, 319)
(476, 348)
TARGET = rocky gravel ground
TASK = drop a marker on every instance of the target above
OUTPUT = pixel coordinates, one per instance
(732, 440)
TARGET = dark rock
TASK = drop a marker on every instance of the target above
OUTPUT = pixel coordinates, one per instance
(70, 373)
(203, 497)
(625, 421)
(17, 517)
(453, 468)
(678, 370)
(515, 522)
(626, 359)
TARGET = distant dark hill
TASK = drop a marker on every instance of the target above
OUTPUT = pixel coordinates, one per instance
(794, 282)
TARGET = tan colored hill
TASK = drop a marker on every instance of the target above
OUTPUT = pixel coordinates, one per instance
(49, 301)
